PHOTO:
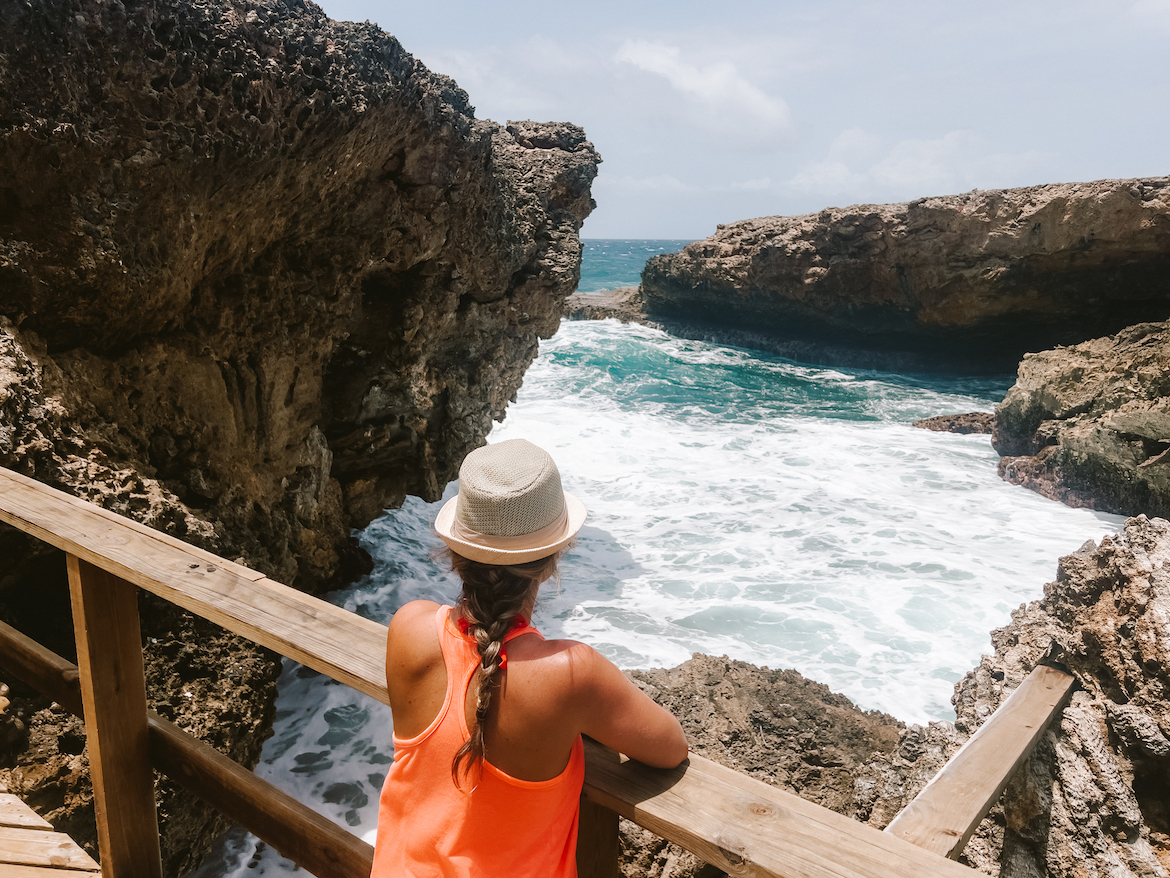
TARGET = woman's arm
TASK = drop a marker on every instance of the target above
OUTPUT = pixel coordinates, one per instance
(616, 713)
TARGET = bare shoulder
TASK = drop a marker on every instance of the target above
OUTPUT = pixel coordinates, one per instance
(412, 641)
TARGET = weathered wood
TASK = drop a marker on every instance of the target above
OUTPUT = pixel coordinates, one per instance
(745, 827)
(41, 668)
(16, 871)
(113, 690)
(12, 482)
(598, 845)
(944, 814)
(296, 831)
(16, 814)
(326, 638)
(38, 847)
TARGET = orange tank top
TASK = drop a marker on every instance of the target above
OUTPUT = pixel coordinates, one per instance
(496, 826)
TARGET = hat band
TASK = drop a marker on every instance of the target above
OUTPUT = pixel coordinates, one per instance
(545, 536)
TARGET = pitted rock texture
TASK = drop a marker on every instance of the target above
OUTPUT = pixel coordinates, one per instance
(262, 274)
(268, 263)
(776, 726)
(971, 280)
(1091, 801)
(1090, 425)
(968, 422)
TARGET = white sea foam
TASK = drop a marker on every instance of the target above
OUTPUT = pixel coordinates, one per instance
(781, 514)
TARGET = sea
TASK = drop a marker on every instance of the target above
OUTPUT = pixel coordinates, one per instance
(740, 504)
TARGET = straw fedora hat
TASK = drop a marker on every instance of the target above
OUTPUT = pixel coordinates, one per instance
(510, 508)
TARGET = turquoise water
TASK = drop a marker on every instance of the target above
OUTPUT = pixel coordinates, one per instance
(610, 263)
(739, 504)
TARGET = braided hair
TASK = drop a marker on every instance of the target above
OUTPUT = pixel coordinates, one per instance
(493, 596)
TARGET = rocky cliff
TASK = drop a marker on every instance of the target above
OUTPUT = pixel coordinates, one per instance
(1090, 802)
(1090, 425)
(973, 280)
(261, 275)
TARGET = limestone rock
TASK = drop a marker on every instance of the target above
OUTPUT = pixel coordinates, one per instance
(774, 725)
(262, 274)
(969, 422)
(974, 280)
(1090, 802)
(1090, 424)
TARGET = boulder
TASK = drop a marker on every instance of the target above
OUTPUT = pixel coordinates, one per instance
(1090, 424)
(262, 274)
(969, 281)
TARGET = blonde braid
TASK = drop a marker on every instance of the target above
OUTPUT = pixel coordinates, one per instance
(492, 598)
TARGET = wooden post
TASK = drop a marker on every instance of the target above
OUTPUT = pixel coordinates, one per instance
(597, 842)
(598, 848)
(113, 690)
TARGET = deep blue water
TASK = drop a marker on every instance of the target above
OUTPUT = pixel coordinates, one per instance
(610, 263)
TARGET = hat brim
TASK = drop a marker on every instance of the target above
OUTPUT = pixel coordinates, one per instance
(517, 552)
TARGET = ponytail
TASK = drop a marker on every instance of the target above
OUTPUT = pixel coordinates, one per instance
(493, 596)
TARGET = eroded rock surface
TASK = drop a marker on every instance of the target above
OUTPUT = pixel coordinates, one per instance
(776, 726)
(1091, 801)
(973, 280)
(1090, 425)
(261, 275)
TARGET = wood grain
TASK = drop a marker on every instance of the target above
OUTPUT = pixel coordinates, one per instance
(944, 814)
(37, 847)
(745, 827)
(15, 814)
(113, 691)
(324, 637)
(598, 846)
(297, 831)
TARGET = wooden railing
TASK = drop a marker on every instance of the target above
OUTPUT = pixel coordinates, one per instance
(739, 825)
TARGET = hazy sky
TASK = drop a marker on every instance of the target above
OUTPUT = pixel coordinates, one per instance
(707, 113)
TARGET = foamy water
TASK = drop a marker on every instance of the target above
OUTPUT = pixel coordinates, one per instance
(782, 514)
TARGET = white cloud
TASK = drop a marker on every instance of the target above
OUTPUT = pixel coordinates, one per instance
(1156, 12)
(861, 165)
(718, 87)
(659, 184)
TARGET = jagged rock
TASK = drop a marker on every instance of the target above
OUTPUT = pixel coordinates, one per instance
(969, 422)
(1089, 425)
(261, 275)
(1091, 801)
(776, 726)
(972, 280)
(624, 304)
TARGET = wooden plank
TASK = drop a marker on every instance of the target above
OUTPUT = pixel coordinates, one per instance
(113, 690)
(36, 847)
(296, 831)
(14, 482)
(328, 639)
(18, 871)
(745, 827)
(16, 814)
(944, 814)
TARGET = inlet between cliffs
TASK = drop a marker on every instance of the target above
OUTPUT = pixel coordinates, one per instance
(783, 514)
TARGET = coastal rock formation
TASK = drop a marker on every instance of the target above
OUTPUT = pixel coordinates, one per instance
(968, 422)
(973, 280)
(262, 274)
(1090, 425)
(1089, 803)
(777, 726)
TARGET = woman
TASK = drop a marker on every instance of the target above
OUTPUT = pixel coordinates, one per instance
(488, 715)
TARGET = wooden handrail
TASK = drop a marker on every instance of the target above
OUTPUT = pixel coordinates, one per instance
(294, 829)
(946, 811)
(741, 825)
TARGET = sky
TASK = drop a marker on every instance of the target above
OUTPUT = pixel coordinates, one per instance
(707, 113)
